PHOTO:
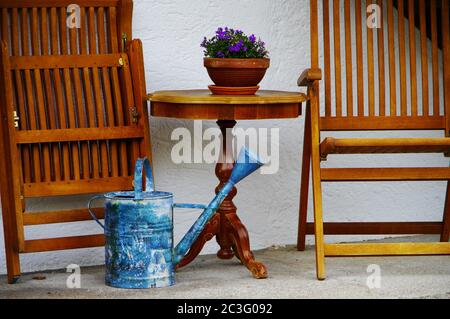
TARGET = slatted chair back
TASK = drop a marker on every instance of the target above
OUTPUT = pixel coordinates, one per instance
(388, 74)
(386, 63)
(75, 102)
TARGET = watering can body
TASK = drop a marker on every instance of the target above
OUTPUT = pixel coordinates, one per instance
(139, 248)
(139, 241)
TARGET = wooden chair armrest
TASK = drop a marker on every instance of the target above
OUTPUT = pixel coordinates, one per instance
(309, 76)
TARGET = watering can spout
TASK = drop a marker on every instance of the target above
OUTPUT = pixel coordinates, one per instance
(245, 165)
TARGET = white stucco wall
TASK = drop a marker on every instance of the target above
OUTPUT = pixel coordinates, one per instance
(171, 31)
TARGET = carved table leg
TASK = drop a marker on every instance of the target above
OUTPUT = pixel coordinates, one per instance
(223, 172)
(239, 236)
(231, 234)
(210, 230)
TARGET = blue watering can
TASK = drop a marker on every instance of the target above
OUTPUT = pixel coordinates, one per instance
(138, 228)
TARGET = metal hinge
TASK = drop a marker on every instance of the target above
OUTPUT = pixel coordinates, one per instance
(134, 115)
(124, 42)
(16, 119)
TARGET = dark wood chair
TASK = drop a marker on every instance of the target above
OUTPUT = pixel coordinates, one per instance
(74, 113)
(395, 112)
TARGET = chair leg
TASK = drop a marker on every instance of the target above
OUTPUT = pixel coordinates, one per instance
(445, 234)
(304, 185)
(13, 266)
(11, 246)
(316, 179)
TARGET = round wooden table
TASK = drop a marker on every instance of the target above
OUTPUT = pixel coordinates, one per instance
(230, 233)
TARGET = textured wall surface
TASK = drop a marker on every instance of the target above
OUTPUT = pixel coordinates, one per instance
(171, 31)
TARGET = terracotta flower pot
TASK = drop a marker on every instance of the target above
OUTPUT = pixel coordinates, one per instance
(236, 72)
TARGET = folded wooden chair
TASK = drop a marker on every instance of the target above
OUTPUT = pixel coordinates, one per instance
(73, 109)
(369, 113)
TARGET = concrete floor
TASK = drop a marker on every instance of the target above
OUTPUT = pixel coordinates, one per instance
(291, 275)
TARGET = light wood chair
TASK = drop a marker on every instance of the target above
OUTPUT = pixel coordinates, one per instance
(401, 110)
(74, 114)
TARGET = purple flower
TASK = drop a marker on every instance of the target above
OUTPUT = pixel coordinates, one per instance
(203, 44)
(233, 43)
(233, 48)
(221, 34)
(236, 47)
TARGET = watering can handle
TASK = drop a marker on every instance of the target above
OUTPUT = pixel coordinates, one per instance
(143, 163)
(92, 213)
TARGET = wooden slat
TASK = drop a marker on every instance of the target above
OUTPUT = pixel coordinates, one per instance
(381, 71)
(424, 57)
(77, 187)
(83, 148)
(9, 171)
(42, 124)
(55, 167)
(370, 66)
(315, 34)
(434, 57)
(51, 244)
(125, 15)
(50, 103)
(30, 102)
(402, 61)
(378, 228)
(326, 57)
(391, 48)
(74, 152)
(73, 134)
(385, 174)
(127, 89)
(56, 3)
(359, 58)
(39, 96)
(61, 110)
(4, 27)
(348, 58)
(412, 57)
(116, 89)
(446, 62)
(66, 61)
(20, 97)
(113, 154)
(66, 216)
(63, 41)
(387, 249)
(100, 115)
(383, 123)
(384, 145)
(135, 52)
(15, 32)
(73, 35)
(337, 58)
(89, 160)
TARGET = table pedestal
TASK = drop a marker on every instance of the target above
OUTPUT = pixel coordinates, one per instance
(231, 234)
